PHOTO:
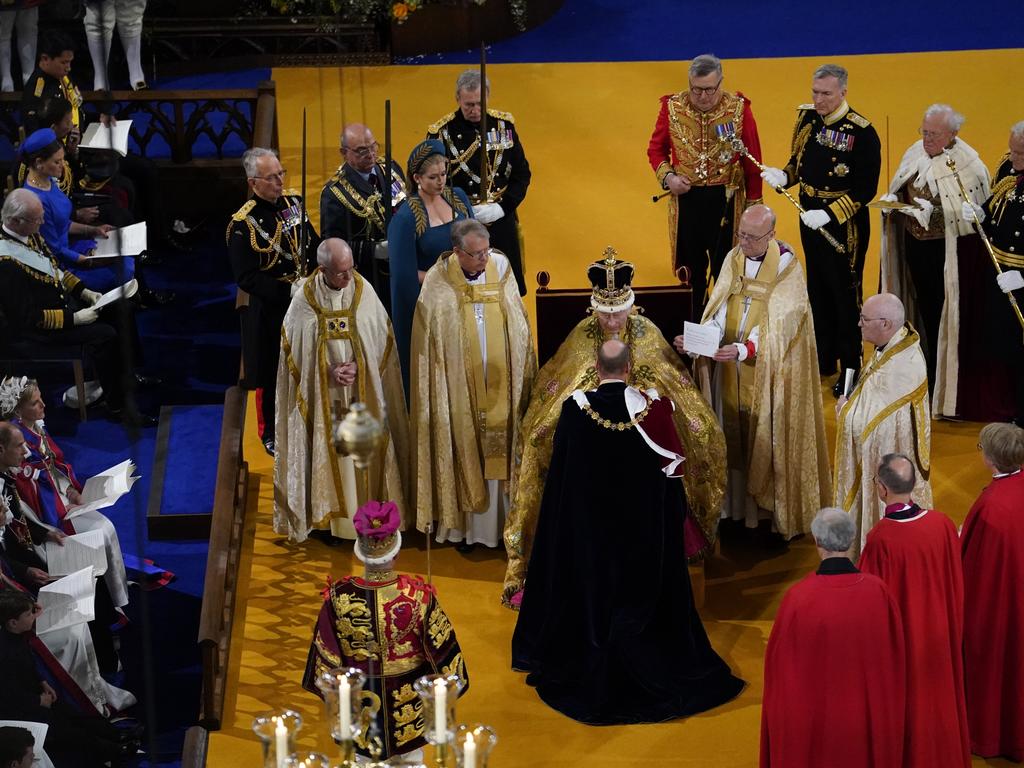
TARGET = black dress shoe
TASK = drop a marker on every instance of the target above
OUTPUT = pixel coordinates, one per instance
(130, 419)
(150, 299)
(464, 547)
(326, 537)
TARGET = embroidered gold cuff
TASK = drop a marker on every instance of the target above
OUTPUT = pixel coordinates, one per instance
(53, 319)
(1006, 259)
(663, 170)
(844, 208)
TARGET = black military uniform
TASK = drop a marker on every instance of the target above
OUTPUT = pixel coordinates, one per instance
(263, 245)
(40, 88)
(39, 307)
(836, 159)
(508, 174)
(1004, 225)
(352, 208)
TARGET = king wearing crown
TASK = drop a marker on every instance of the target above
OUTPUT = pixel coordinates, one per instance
(653, 364)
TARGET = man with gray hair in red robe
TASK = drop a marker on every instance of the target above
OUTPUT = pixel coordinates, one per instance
(835, 668)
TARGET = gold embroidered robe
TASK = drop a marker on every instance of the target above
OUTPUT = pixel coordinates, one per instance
(771, 405)
(887, 413)
(467, 401)
(314, 487)
(654, 365)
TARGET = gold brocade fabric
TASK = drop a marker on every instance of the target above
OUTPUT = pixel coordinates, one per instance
(786, 461)
(704, 156)
(450, 446)
(654, 364)
(887, 413)
(312, 483)
(933, 174)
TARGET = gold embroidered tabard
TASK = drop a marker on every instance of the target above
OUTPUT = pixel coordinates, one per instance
(701, 140)
(752, 294)
(490, 390)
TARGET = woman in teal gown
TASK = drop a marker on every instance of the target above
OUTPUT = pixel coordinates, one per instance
(420, 231)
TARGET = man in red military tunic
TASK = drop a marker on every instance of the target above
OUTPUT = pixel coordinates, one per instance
(916, 553)
(992, 542)
(710, 183)
(835, 667)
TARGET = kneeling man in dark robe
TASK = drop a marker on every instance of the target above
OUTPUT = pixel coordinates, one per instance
(608, 631)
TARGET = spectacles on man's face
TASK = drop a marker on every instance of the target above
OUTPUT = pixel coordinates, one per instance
(697, 90)
(749, 238)
(870, 319)
(369, 149)
(279, 176)
(932, 134)
(479, 254)
(27, 220)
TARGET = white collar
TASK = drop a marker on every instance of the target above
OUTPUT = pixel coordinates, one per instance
(1001, 475)
(20, 238)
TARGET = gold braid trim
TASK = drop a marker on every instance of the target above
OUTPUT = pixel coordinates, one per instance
(619, 426)
(1000, 194)
(363, 207)
(419, 211)
(40, 276)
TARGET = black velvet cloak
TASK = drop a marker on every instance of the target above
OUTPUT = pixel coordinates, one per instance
(608, 631)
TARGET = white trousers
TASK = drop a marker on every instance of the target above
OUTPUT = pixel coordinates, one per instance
(100, 20)
(26, 22)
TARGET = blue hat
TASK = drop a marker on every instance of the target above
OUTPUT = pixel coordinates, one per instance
(38, 140)
(419, 154)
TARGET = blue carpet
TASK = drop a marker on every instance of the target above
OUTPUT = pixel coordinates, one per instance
(192, 448)
(668, 30)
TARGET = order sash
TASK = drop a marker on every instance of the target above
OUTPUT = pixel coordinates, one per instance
(490, 376)
(28, 257)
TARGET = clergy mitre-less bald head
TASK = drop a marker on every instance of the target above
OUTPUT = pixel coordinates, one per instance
(612, 280)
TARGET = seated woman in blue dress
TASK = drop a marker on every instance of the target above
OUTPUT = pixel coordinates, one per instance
(420, 231)
(43, 154)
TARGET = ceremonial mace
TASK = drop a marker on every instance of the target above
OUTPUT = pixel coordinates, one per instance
(738, 145)
(951, 164)
(358, 436)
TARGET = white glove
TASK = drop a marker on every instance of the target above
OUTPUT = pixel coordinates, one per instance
(923, 212)
(1010, 280)
(972, 213)
(487, 213)
(815, 218)
(774, 177)
(888, 197)
(91, 297)
(86, 316)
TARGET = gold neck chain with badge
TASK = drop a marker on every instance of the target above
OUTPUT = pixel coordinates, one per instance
(616, 426)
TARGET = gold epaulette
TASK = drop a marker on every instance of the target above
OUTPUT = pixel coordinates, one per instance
(242, 212)
(436, 127)
(40, 84)
(292, 193)
(858, 120)
(499, 115)
(804, 107)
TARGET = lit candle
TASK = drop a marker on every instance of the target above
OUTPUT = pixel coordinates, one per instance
(281, 741)
(469, 752)
(440, 710)
(345, 709)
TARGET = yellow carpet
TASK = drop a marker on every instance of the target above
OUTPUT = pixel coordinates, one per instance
(585, 129)
(279, 600)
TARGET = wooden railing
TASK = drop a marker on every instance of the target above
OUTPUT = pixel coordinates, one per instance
(219, 589)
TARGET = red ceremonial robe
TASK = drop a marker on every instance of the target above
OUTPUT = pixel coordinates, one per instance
(917, 554)
(992, 544)
(835, 674)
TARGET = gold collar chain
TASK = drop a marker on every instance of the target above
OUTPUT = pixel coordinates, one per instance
(618, 426)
